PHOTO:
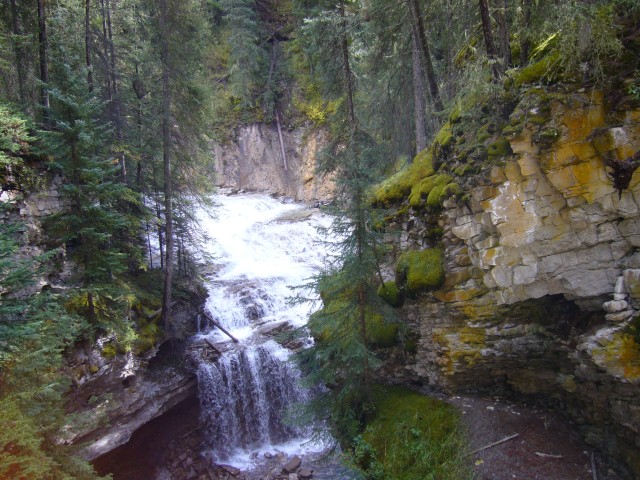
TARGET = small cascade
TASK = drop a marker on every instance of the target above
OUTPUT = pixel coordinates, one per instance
(243, 397)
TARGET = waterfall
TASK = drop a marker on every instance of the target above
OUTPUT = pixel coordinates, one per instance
(243, 397)
(261, 248)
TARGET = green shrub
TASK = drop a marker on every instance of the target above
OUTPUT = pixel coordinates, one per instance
(411, 437)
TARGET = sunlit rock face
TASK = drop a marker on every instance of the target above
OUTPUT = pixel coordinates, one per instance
(254, 161)
(543, 273)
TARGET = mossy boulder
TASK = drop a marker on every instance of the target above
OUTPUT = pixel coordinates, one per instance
(545, 70)
(382, 334)
(444, 136)
(390, 293)
(420, 270)
(434, 189)
(499, 148)
(398, 186)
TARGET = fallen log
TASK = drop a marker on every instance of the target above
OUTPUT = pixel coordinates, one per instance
(495, 443)
(211, 319)
(212, 345)
(547, 455)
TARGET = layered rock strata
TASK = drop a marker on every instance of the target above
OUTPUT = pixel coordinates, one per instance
(542, 288)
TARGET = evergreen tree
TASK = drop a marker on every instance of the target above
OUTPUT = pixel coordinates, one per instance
(95, 229)
(34, 331)
(342, 358)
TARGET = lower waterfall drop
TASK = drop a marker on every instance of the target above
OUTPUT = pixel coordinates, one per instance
(243, 396)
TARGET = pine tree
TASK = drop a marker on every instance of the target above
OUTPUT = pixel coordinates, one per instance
(342, 358)
(34, 332)
(95, 228)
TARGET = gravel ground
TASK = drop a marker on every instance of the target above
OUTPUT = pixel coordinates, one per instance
(547, 447)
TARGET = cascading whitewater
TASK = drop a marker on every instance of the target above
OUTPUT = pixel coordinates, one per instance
(261, 248)
(243, 397)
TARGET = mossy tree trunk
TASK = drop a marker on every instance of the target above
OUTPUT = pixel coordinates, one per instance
(525, 43)
(19, 52)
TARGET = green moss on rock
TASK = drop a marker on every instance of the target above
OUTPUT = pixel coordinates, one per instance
(420, 270)
(396, 187)
(109, 351)
(444, 136)
(544, 70)
(381, 334)
(499, 148)
(389, 293)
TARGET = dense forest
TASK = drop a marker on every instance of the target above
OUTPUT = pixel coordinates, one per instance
(117, 102)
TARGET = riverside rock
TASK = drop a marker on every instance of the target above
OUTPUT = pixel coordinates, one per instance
(292, 465)
(534, 252)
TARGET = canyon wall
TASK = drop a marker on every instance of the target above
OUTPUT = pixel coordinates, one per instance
(542, 285)
(254, 161)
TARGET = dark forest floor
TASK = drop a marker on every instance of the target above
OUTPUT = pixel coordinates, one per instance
(547, 447)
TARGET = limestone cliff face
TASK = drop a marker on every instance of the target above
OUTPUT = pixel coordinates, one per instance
(542, 289)
(254, 161)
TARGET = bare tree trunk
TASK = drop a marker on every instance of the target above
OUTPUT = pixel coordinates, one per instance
(488, 37)
(160, 232)
(87, 43)
(503, 28)
(114, 86)
(43, 44)
(419, 104)
(166, 160)
(17, 33)
(423, 43)
(105, 47)
(346, 68)
(526, 44)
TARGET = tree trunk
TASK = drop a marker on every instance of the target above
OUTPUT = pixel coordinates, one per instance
(17, 34)
(114, 85)
(525, 44)
(43, 46)
(166, 159)
(87, 43)
(503, 28)
(419, 104)
(346, 69)
(362, 297)
(423, 43)
(91, 307)
(488, 37)
(105, 47)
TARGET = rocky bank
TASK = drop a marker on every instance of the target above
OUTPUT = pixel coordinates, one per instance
(541, 285)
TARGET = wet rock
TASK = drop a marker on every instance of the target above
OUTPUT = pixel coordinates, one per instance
(233, 471)
(292, 465)
(305, 473)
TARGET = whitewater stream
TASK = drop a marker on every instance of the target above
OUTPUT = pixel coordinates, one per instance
(260, 248)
